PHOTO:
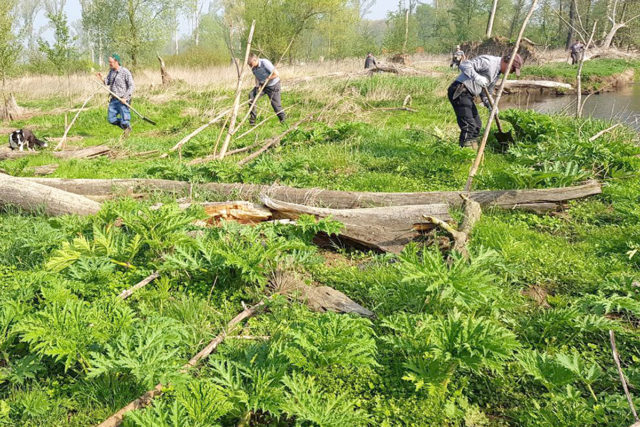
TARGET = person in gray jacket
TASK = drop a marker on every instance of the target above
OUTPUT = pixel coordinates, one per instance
(266, 77)
(476, 74)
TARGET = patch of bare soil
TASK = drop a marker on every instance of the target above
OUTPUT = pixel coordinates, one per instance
(538, 294)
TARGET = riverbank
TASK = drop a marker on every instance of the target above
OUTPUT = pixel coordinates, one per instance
(598, 75)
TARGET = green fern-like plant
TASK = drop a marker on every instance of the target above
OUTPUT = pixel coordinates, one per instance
(436, 348)
(317, 342)
(459, 283)
(308, 403)
(148, 353)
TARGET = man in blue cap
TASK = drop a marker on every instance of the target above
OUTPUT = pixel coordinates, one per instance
(120, 81)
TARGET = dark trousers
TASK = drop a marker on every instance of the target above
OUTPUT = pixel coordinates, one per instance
(575, 57)
(467, 114)
(273, 92)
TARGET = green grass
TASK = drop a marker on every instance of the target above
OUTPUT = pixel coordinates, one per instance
(595, 73)
(453, 343)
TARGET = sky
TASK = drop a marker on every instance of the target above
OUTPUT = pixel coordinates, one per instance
(378, 11)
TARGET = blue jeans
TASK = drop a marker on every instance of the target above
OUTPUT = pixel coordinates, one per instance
(117, 108)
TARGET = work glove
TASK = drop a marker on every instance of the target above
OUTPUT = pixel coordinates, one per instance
(485, 102)
(482, 81)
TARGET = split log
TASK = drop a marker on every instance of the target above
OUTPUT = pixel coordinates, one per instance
(144, 282)
(507, 199)
(34, 197)
(536, 84)
(387, 229)
(318, 298)
(144, 400)
(83, 153)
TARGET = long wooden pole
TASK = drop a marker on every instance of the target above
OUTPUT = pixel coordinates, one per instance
(236, 102)
(492, 115)
(492, 18)
(66, 131)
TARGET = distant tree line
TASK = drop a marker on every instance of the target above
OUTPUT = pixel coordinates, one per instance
(297, 30)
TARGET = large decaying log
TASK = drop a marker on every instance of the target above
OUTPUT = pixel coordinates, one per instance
(317, 298)
(388, 229)
(83, 153)
(540, 199)
(34, 197)
(536, 84)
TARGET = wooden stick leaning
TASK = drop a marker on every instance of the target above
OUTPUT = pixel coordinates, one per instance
(487, 130)
(236, 102)
(602, 132)
(273, 141)
(144, 400)
(196, 132)
(616, 358)
(66, 131)
(144, 282)
(583, 54)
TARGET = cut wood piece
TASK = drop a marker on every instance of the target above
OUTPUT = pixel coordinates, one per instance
(34, 197)
(242, 212)
(388, 229)
(536, 84)
(317, 298)
(83, 153)
(508, 199)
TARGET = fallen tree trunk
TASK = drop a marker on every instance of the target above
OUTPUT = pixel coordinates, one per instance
(507, 199)
(536, 84)
(34, 197)
(83, 153)
(388, 229)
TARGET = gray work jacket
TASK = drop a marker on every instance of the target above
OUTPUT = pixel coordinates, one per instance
(484, 65)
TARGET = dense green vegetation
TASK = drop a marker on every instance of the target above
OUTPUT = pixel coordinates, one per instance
(516, 336)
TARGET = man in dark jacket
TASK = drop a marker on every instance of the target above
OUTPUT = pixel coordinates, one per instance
(265, 72)
(476, 74)
(577, 48)
(370, 62)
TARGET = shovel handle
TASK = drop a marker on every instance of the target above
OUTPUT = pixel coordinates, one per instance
(125, 103)
(493, 106)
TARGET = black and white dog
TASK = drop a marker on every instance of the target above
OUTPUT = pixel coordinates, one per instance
(21, 138)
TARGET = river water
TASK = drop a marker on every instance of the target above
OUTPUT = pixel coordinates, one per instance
(622, 105)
